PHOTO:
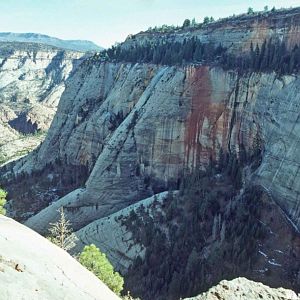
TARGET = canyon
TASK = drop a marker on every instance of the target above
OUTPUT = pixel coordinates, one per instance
(32, 80)
(125, 135)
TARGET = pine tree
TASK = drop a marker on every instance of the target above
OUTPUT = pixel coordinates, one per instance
(250, 11)
(193, 22)
(61, 232)
(256, 58)
(262, 57)
(198, 53)
(186, 23)
(206, 20)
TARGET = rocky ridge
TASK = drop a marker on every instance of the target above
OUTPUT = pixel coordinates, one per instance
(244, 289)
(235, 33)
(74, 45)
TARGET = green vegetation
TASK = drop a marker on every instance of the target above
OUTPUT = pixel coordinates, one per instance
(166, 52)
(2, 202)
(61, 232)
(186, 23)
(208, 20)
(272, 55)
(3, 158)
(188, 234)
(63, 178)
(95, 261)
(194, 231)
(250, 11)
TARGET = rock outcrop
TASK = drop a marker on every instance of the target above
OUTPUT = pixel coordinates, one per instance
(31, 267)
(32, 80)
(244, 289)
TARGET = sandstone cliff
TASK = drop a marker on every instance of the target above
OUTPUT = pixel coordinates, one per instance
(32, 79)
(124, 132)
(173, 118)
(31, 267)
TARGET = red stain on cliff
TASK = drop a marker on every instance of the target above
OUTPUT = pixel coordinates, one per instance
(207, 123)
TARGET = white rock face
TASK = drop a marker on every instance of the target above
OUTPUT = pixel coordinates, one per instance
(32, 268)
(244, 289)
(173, 118)
(32, 80)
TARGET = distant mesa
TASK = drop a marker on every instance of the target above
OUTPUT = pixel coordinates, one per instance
(75, 45)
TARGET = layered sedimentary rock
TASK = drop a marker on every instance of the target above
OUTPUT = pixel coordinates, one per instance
(31, 267)
(32, 80)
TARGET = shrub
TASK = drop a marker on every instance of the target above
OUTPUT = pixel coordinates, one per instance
(95, 261)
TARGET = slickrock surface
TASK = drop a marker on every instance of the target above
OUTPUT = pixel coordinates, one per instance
(32, 268)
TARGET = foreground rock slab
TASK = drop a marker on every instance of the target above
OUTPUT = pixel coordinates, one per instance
(33, 268)
(244, 289)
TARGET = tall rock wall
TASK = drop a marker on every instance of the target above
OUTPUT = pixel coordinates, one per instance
(145, 124)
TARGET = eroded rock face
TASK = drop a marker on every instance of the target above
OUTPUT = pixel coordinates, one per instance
(244, 289)
(31, 267)
(144, 124)
(32, 80)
